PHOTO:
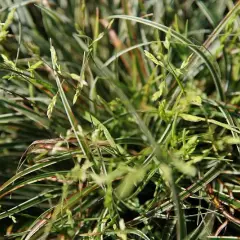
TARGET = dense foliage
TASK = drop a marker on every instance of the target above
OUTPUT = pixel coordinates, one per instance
(119, 119)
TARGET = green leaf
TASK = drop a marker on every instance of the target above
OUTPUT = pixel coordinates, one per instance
(159, 93)
(194, 99)
(185, 63)
(191, 118)
(130, 181)
(100, 36)
(35, 66)
(8, 21)
(166, 43)
(231, 140)
(51, 106)
(9, 63)
(152, 58)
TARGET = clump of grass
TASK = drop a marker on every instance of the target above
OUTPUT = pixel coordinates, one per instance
(119, 119)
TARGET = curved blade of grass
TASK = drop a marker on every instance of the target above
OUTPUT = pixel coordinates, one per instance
(196, 50)
(215, 33)
(229, 119)
(42, 220)
(114, 57)
(17, 5)
(39, 177)
(230, 122)
(37, 224)
(28, 113)
(58, 18)
(67, 107)
(11, 117)
(36, 81)
(220, 27)
(193, 118)
(90, 118)
(230, 201)
(207, 13)
(31, 202)
(38, 166)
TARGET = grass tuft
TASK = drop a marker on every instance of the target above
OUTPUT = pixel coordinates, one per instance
(119, 119)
